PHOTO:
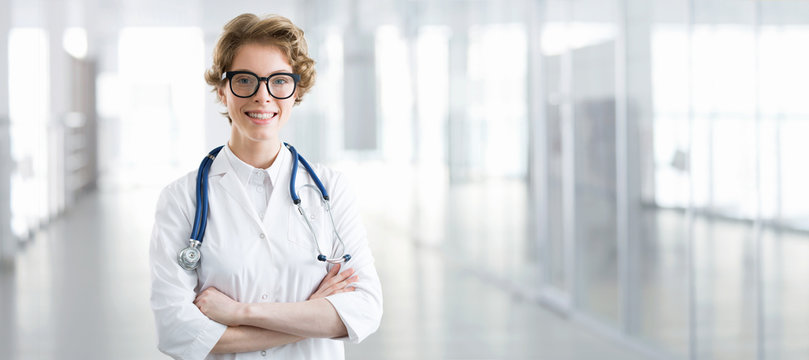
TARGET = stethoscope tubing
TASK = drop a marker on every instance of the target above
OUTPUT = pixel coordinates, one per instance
(201, 213)
(296, 158)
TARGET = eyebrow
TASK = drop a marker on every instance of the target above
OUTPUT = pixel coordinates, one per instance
(271, 73)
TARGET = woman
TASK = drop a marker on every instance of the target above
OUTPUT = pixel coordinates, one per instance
(260, 288)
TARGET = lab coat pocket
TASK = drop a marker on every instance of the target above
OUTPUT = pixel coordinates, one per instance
(300, 233)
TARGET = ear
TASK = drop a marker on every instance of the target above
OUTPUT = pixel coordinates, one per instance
(220, 91)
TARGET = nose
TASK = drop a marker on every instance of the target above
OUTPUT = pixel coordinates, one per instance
(263, 93)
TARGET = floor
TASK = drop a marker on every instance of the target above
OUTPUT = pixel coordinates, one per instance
(81, 286)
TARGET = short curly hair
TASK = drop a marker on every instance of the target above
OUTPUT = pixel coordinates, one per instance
(274, 30)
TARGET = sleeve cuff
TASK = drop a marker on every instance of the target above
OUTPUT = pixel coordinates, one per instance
(205, 341)
(359, 324)
(340, 303)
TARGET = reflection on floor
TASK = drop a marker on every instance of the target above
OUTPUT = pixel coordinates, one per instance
(81, 289)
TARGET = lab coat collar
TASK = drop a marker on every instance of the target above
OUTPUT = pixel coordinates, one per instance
(244, 170)
(223, 176)
(220, 166)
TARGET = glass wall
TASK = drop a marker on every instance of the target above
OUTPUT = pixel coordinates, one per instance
(658, 188)
(670, 174)
(782, 125)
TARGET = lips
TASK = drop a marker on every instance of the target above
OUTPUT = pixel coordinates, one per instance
(261, 117)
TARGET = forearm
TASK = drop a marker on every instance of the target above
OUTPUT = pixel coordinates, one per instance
(310, 319)
(238, 339)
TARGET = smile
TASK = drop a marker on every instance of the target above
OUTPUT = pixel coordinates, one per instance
(261, 115)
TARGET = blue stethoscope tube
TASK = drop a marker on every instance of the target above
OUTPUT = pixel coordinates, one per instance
(296, 158)
(189, 257)
(201, 216)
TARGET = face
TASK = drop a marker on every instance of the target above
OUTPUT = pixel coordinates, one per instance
(259, 118)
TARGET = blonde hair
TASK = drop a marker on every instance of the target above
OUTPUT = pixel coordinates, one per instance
(274, 30)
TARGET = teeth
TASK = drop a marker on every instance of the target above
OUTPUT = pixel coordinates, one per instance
(262, 116)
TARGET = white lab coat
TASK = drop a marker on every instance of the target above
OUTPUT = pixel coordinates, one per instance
(251, 260)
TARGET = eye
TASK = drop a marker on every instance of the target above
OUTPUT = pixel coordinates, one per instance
(243, 79)
(280, 80)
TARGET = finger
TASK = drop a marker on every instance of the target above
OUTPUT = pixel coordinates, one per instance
(338, 278)
(345, 274)
(334, 270)
(341, 285)
(329, 275)
(350, 280)
(339, 291)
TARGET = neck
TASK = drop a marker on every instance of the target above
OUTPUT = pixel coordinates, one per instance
(258, 154)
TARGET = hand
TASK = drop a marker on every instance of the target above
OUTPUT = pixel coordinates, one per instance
(334, 283)
(219, 307)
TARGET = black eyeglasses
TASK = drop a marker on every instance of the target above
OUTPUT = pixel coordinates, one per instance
(244, 84)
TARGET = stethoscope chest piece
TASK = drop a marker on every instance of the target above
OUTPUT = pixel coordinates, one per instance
(189, 257)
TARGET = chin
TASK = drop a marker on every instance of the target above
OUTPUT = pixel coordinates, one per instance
(264, 135)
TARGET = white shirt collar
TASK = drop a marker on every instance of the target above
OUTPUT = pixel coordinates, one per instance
(244, 170)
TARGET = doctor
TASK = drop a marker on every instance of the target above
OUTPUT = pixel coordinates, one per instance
(259, 290)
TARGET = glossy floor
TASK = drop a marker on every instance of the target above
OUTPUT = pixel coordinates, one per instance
(80, 290)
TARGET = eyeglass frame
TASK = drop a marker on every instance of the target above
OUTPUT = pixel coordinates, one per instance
(266, 80)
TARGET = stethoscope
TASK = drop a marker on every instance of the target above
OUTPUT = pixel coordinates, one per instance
(189, 257)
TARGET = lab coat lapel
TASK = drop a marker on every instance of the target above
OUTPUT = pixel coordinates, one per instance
(230, 184)
(277, 215)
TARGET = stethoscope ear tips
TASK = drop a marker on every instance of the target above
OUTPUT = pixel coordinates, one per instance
(323, 258)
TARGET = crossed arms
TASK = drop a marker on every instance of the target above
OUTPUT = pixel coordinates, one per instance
(258, 326)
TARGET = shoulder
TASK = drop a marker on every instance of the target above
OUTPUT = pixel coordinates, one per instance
(180, 190)
(329, 176)
(177, 201)
(337, 183)
(326, 173)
